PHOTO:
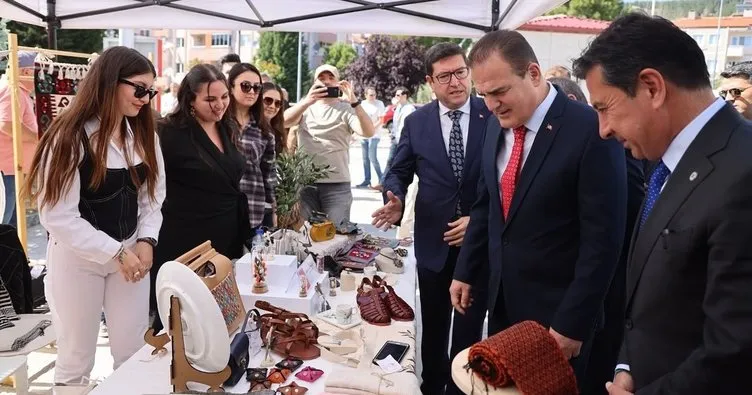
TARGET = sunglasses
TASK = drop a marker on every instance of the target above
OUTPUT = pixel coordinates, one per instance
(268, 101)
(735, 92)
(140, 90)
(247, 87)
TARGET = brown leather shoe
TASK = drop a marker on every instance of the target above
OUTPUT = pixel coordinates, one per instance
(373, 309)
(399, 310)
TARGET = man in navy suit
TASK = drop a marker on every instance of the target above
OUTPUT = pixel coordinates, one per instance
(550, 215)
(440, 143)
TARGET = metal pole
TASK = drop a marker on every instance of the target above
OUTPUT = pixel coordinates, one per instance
(652, 9)
(718, 41)
(15, 110)
(300, 65)
(51, 25)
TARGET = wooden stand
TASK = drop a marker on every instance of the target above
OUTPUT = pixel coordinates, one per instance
(181, 370)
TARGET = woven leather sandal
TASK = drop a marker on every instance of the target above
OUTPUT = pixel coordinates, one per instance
(373, 309)
(399, 310)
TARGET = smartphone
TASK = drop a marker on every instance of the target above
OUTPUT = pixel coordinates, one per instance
(333, 91)
(396, 349)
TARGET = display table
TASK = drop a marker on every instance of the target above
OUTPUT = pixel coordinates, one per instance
(147, 374)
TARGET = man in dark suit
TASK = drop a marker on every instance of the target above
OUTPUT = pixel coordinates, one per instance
(688, 324)
(441, 144)
(551, 210)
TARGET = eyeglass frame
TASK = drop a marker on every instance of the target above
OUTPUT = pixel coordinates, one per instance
(247, 87)
(451, 74)
(725, 92)
(139, 91)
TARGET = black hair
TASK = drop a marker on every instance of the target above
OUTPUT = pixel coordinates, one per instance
(739, 70)
(509, 45)
(278, 122)
(229, 58)
(442, 51)
(635, 42)
(403, 89)
(257, 109)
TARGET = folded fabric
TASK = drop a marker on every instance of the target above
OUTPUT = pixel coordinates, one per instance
(369, 382)
(527, 356)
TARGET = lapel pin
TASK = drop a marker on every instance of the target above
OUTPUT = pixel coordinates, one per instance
(693, 176)
(549, 127)
(481, 116)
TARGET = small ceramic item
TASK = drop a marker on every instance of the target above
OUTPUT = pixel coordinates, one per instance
(268, 361)
(303, 286)
(259, 275)
(347, 281)
(332, 286)
(344, 314)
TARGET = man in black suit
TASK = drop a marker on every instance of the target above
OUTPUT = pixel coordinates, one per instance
(441, 144)
(688, 324)
(551, 210)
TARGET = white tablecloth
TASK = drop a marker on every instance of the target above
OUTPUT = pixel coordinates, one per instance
(145, 374)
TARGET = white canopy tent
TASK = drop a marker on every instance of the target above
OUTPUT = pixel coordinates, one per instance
(453, 18)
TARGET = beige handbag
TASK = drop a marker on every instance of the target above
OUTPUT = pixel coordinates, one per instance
(389, 261)
(215, 271)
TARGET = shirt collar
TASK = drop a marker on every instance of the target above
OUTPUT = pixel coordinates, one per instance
(443, 110)
(539, 115)
(92, 126)
(681, 142)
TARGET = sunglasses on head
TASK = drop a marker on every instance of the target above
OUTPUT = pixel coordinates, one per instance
(268, 101)
(140, 91)
(247, 87)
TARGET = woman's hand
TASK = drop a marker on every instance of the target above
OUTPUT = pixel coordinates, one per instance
(145, 254)
(130, 267)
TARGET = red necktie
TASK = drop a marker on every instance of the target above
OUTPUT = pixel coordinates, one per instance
(508, 181)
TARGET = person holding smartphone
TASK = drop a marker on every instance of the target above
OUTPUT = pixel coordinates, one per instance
(327, 118)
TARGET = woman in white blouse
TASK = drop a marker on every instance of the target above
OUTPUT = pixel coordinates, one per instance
(100, 175)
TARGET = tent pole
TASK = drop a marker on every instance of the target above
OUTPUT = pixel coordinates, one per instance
(51, 25)
(494, 14)
(15, 110)
(300, 65)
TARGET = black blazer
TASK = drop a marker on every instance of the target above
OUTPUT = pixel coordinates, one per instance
(421, 151)
(203, 199)
(688, 327)
(552, 261)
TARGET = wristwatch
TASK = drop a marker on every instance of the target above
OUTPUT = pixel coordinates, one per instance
(148, 240)
(353, 105)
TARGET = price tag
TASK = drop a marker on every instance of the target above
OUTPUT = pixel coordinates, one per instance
(389, 364)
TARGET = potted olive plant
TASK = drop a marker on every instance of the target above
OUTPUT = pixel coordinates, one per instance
(295, 171)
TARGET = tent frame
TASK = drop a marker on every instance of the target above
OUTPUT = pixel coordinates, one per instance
(54, 21)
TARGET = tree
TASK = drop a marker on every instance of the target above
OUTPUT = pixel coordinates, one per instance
(83, 41)
(387, 63)
(606, 10)
(3, 45)
(428, 42)
(281, 49)
(340, 55)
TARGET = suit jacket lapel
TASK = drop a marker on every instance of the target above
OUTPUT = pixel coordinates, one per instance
(691, 170)
(543, 140)
(494, 136)
(474, 137)
(214, 153)
(436, 140)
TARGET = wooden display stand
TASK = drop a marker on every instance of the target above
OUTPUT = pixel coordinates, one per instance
(181, 370)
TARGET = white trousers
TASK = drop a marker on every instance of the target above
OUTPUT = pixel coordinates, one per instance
(76, 291)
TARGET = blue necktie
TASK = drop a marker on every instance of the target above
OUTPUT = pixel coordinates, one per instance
(657, 179)
(456, 150)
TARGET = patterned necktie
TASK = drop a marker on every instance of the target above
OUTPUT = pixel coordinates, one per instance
(456, 150)
(508, 181)
(657, 179)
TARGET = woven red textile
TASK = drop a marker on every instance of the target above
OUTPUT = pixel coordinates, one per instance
(527, 356)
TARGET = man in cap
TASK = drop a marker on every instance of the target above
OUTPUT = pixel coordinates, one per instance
(28, 131)
(326, 122)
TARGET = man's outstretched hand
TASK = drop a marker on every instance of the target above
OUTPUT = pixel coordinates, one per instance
(388, 215)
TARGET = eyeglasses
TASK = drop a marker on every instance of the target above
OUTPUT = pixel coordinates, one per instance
(268, 101)
(735, 92)
(460, 74)
(140, 90)
(247, 87)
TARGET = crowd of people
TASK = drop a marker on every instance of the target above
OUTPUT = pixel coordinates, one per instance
(621, 223)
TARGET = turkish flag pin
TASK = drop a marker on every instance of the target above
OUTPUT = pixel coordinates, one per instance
(549, 127)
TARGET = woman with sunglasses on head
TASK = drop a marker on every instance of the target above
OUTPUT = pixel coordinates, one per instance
(203, 168)
(272, 99)
(101, 181)
(256, 143)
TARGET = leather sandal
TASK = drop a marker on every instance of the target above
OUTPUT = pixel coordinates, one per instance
(373, 309)
(399, 310)
(294, 334)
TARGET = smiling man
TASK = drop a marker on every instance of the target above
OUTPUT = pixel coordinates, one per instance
(550, 215)
(735, 87)
(441, 144)
(688, 324)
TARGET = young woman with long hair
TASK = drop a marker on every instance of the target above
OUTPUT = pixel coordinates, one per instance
(256, 142)
(101, 182)
(204, 168)
(272, 98)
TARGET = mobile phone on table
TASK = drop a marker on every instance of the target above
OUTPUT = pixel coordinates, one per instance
(333, 91)
(396, 349)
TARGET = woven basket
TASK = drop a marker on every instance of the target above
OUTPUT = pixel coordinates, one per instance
(291, 220)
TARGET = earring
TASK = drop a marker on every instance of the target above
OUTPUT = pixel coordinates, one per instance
(193, 112)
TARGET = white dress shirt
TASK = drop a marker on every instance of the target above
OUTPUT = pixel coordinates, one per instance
(63, 219)
(446, 124)
(398, 120)
(533, 125)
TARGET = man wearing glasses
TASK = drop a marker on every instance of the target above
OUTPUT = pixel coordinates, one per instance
(735, 87)
(441, 143)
